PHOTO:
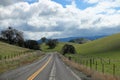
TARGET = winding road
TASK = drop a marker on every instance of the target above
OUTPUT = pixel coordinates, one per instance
(51, 67)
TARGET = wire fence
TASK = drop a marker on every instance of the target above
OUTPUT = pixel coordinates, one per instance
(104, 65)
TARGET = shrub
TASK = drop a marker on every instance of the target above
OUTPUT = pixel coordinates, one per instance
(68, 49)
(52, 43)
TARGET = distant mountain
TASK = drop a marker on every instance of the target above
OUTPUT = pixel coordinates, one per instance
(71, 38)
(89, 38)
(40, 41)
(80, 40)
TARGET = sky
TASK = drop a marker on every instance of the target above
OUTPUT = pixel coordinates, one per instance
(61, 18)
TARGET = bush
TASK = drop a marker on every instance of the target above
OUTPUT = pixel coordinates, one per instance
(68, 49)
(43, 39)
(52, 43)
(32, 44)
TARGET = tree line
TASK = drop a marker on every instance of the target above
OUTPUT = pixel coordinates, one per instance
(52, 43)
(15, 37)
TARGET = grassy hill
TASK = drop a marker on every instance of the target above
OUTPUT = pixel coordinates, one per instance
(104, 47)
(11, 50)
(104, 51)
(57, 48)
(12, 56)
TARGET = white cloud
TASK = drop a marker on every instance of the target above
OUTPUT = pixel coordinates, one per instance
(38, 35)
(97, 1)
(9, 2)
(50, 19)
(92, 1)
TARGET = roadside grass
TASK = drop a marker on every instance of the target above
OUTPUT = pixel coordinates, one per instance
(9, 51)
(100, 64)
(95, 75)
(12, 56)
(6, 65)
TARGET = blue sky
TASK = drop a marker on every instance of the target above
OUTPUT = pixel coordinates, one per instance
(79, 3)
(61, 18)
(31, 1)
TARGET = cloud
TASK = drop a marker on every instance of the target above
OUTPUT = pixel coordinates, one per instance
(91, 1)
(51, 19)
(8, 2)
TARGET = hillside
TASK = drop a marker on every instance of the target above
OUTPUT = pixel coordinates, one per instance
(103, 46)
(79, 40)
(74, 38)
(7, 49)
(87, 37)
(12, 56)
(106, 47)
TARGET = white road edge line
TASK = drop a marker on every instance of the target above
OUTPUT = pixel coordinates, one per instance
(53, 72)
(74, 74)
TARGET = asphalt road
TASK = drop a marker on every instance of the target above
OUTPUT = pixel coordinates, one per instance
(50, 67)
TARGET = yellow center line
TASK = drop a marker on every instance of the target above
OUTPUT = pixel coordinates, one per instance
(39, 70)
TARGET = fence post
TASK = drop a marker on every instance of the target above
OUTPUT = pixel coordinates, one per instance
(0, 57)
(101, 60)
(83, 61)
(69, 57)
(90, 63)
(114, 69)
(103, 68)
(78, 60)
(86, 62)
(109, 61)
(93, 60)
(96, 65)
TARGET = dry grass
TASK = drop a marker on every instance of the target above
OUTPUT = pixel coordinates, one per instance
(89, 72)
(9, 64)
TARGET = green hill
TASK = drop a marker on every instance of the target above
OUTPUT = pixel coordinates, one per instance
(12, 56)
(104, 51)
(104, 47)
(7, 50)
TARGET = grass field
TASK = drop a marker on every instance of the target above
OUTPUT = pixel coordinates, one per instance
(9, 51)
(12, 56)
(106, 49)
(57, 48)
(28, 58)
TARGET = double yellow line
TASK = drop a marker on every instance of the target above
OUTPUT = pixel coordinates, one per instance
(39, 70)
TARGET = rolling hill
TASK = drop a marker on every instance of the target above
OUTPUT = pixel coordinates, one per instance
(73, 38)
(87, 37)
(106, 47)
(7, 49)
(12, 56)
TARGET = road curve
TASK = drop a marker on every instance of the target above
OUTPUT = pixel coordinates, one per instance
(50, 67)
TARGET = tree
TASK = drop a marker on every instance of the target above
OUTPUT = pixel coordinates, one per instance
(52, 43)
(13, 36)
(32, 44)
(68, 49)
(8, 35)
(71, 41)
(43, 39)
